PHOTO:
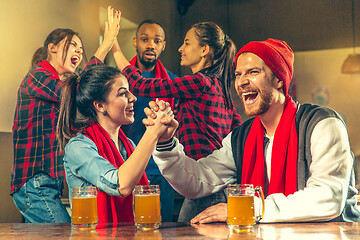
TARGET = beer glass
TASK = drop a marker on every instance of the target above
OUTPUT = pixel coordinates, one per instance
(84, 208)
(241, 215)
(146, 204)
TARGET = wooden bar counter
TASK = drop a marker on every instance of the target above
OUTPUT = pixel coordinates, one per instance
(307, 231)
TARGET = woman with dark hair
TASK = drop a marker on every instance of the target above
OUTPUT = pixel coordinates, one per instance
(206, 112)
(97, 152)
(38, 173)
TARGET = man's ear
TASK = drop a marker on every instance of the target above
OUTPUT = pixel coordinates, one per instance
(279, 84)
(164, 45)
(134, 42)
(99, 106)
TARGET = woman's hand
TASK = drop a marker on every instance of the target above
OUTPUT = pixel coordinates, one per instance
(156, 116)
(112, 26)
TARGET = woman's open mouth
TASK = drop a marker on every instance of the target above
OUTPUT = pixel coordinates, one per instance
(129, 110)
(74, 60)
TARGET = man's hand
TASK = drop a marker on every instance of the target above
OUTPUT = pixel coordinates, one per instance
(216, 213)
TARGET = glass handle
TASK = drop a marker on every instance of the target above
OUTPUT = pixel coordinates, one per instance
(259, 190)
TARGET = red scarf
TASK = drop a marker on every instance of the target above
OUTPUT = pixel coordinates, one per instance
(48, 67)
(283, 157)
(112, 208)
(160, 72)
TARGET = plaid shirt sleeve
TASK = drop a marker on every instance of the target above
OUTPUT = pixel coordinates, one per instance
(94, 61)
(44, 85)
(191, 86)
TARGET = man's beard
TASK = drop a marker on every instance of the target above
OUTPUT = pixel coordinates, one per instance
(147, 63)
(264, 105)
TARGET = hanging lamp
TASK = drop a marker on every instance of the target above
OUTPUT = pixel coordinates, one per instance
(352, 62)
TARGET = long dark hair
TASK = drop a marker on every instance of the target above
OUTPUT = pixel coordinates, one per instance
(78, 94)
(223, 54)
(55, 37)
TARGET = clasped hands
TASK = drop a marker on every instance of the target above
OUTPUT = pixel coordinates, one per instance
(216, 213)
(169, 121)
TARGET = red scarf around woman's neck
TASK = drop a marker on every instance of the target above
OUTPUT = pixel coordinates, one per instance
(160, 72)
(112, 208)
(283, 158)
(47, 66)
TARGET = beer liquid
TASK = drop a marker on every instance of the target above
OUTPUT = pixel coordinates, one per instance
(147, 208)
(84, 210)
(241, 210)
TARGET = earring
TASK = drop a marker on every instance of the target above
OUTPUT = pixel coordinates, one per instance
(105, 113)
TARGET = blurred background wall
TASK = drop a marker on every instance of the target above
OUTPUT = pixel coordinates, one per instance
(320, 32)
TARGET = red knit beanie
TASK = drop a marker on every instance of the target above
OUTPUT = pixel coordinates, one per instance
(277, 55)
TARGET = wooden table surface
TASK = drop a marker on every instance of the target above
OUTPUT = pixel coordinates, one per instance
(306, 231)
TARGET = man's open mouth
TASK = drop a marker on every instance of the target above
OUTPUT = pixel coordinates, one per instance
(249, 96)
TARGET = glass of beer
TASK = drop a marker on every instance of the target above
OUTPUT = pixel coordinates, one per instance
(146, 204)
(241, 216)
(84, 208)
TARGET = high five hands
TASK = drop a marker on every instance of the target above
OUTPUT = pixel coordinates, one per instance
(112, 26)
(111, 31)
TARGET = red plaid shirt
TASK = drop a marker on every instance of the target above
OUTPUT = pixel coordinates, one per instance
(204, 119)
(37, 111)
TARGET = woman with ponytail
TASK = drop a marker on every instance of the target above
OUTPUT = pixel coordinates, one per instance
(38, 173)
(97, 152)
(206, 112)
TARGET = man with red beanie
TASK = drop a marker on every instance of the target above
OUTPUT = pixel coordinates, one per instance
(298, 153)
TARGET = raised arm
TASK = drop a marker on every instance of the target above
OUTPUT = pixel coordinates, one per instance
(131, 171)
(120, 59)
